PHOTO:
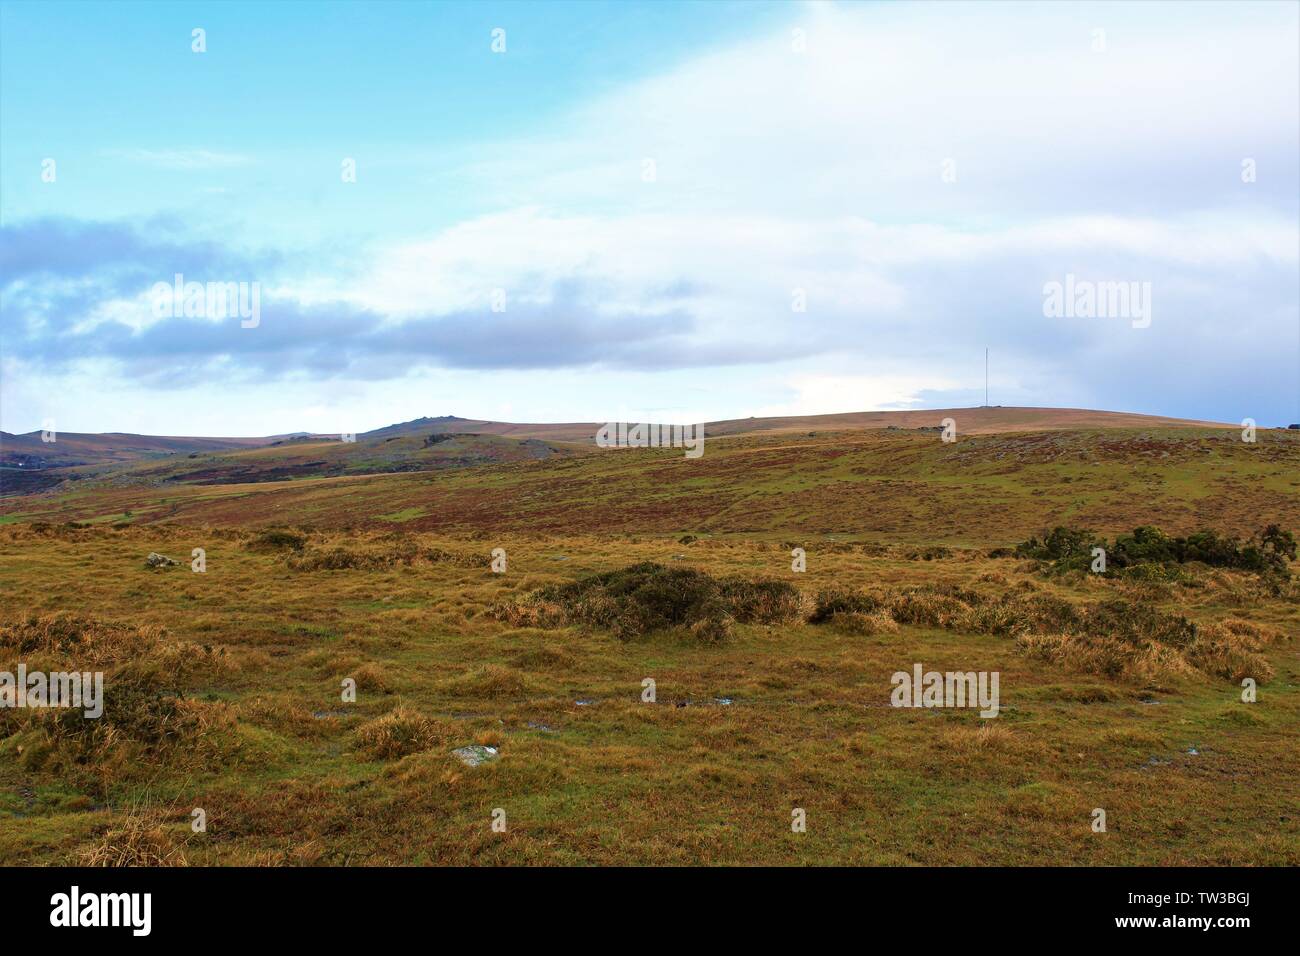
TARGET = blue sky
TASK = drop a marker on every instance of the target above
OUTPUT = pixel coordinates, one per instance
(615, 217)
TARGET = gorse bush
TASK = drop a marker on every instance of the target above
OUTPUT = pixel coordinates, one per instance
(1136, 554)
(1059, 544)
(647, 597)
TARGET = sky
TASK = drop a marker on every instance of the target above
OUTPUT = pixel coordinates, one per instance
(644, 212)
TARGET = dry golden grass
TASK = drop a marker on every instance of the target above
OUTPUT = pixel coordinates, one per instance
(399, 732)
(142, 837)
(1233, 649)
(232, 703)
(857, 622)
(95, 643)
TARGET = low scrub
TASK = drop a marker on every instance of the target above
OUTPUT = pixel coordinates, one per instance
(646, 597)
(277, 539)
(1150, 554)
(380, 557)
(146, 715)
(1117, 638)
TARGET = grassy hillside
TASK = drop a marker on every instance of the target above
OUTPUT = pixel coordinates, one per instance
(71, 449)
(75, 448)
(300, 458)
(867, 485)
(235, 677)
(224, 688)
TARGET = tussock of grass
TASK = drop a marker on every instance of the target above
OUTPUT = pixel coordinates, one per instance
(1124, 639)
(545, 656)
(492, 681)
(141, 722)
(147, 717)
(926, 607)
(1106, 655)
(1232, 649)
(647, 597)
(1084, 694)
(92, 641)
(370, 676)
(843, 601)
(986, 737)
(141, 839)
(399, 732)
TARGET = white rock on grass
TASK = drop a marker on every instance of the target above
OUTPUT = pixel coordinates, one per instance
(475, 754)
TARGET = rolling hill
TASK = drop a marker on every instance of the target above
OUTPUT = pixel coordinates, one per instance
(72, 449)
(81, 448)
(867, 483)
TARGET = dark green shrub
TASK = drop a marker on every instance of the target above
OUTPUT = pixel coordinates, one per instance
(1137, 624)
(647, 597)
(1142, 554)
(278, 539)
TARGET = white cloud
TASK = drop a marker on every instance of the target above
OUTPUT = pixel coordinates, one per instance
(861, 123)
(830, 394)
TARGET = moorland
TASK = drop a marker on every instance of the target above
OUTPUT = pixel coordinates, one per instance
(302, 566)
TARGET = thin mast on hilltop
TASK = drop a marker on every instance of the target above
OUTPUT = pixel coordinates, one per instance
(986, 376)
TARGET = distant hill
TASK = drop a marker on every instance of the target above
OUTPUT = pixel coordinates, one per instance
(288, 458)
(444, 424)
(981, 420)
(970, 421)
(867, 483)
(81, 448)
(28, 453)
